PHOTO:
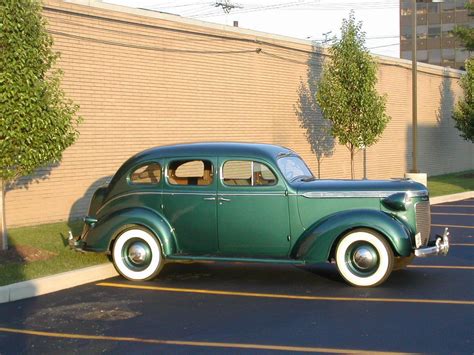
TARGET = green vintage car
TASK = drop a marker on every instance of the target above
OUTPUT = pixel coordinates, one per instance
(257, 203)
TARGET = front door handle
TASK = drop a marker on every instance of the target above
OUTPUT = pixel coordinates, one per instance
(209, 198)
(224, 199)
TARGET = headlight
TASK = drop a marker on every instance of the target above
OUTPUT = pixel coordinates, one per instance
(397, 202)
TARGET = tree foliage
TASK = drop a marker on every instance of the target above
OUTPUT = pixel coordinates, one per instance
(463, 113)
(464, 33)
(347, 93)
(37, 121)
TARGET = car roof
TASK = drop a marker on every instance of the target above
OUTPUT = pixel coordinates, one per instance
(267, 152)
(209, 149)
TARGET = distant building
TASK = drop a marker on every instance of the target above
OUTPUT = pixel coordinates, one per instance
(434, 22)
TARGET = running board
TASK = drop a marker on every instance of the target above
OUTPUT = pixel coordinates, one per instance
(230, 259)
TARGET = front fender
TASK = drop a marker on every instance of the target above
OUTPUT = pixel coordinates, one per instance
(100, 236)
(316, 243)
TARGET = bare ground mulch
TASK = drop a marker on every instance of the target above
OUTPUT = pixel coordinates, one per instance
(18, 254)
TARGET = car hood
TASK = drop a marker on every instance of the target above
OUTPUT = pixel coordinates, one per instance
(375, 188)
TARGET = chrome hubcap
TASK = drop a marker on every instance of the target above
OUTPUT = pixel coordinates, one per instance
(137, 253)
(363, 258)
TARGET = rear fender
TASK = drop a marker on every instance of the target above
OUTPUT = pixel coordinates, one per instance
(316, 244)
(101, 235)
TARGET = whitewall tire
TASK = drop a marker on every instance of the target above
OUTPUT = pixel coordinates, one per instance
(364, 258)
(137, 254)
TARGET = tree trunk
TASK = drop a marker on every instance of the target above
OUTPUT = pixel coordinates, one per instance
(3, 225)
(319, 168)
(365, 163)
(352, 163)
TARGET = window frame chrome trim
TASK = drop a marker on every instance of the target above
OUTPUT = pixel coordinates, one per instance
(252, 186)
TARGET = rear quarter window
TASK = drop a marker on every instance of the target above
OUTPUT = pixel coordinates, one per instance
(146, 174)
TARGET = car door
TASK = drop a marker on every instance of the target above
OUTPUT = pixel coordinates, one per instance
(253, 218)
(189, 203)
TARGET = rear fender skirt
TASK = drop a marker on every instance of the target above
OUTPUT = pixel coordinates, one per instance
(316, 243)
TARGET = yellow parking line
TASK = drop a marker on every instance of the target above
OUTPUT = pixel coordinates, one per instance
(441, 267)
(194, 343)
(462, 244)
(283, 296)
(451, 226)
(452, 214)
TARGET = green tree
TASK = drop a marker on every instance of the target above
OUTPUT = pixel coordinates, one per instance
(463, 113)
(464, 33)
(37, 121)
(347, 93)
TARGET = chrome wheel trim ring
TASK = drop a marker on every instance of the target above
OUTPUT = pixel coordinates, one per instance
(346, 266)
(125, 266)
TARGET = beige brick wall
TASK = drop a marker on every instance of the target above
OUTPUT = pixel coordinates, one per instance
(149, 79)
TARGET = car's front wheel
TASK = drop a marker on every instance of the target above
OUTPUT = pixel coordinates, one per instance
(364, 258)
(137, 254)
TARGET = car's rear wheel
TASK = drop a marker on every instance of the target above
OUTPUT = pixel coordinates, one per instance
(364, 258)
(137, 254)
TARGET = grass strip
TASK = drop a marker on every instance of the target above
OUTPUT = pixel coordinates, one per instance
(49, 237)
(451, 183)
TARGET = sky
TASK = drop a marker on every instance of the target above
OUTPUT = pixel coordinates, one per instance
(304, 19)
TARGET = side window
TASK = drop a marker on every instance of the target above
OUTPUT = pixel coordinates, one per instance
(146, 174)
(247, 173)
(237, 173)
(190, 172)
(263, 176)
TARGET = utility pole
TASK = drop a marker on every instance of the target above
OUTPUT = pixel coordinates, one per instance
(414, 102)
(326, 35)
(227, 6)
(415, 172)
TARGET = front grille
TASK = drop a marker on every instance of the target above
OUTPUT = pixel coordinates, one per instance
(423, 221)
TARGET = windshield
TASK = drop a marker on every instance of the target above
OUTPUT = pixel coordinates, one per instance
(294, 167)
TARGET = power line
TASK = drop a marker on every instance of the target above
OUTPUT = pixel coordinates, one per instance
(258, 50)
(383, 37)
(128, 33)
(207, 36)
(195, 11)
(312, 6)
(157, 6)
(368, 38)
(151, 48)
(176, 30)
(261, 8)
(385, 45)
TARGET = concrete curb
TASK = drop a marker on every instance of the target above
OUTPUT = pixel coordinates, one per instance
(451, 198)
(58, 282)
(53, 283)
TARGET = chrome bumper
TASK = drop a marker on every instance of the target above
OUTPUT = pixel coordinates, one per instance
(75, 243)
(438, 247)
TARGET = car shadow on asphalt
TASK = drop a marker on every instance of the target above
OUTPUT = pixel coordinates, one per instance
(250, 277)
(316, 279)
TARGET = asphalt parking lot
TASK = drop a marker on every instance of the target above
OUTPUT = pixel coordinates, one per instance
(254, 308)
